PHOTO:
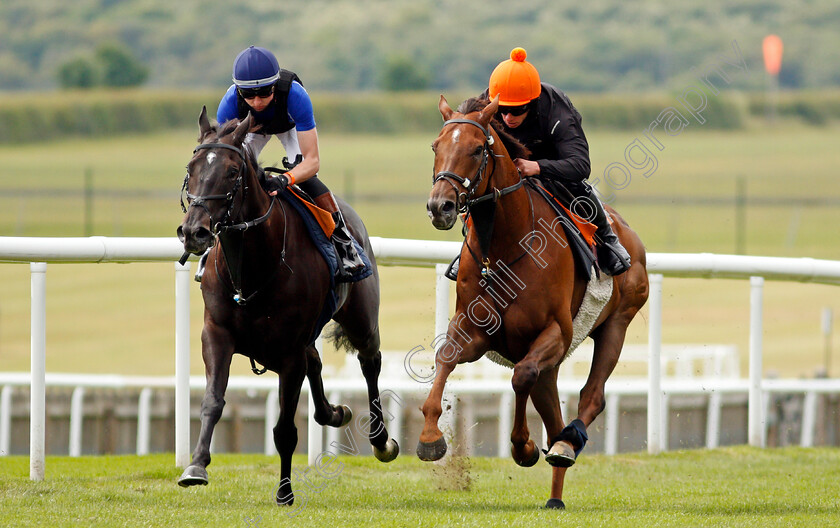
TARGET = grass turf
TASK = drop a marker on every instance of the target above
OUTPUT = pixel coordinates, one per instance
(726, 487)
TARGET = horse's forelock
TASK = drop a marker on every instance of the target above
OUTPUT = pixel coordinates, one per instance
(513, 146)
(227, 129)
(473, 104)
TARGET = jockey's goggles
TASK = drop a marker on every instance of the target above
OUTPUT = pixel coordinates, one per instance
(514, 110)
(251, 93)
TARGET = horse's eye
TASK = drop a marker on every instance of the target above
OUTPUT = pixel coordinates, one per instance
(434, 149)
(477, 152)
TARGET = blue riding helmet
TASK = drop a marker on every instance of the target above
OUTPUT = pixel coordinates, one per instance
(255, 67)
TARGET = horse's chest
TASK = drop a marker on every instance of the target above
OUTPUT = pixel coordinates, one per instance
(260, 334)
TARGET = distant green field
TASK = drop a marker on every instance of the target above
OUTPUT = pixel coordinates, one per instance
(733, 487)
(102, 319)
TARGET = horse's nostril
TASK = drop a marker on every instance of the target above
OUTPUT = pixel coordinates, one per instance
(202, 233)
(448, 207)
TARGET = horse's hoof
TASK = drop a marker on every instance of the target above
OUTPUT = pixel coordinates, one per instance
(535, 457)
(561, 455)
(555, 504)
(346, 416)
(193, 476)
(389, 452)
(431, 451)
(287, 500)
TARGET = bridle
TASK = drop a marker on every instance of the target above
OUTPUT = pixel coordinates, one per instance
(466, 202)
(465, 198)
(225, 226)
(230, 196)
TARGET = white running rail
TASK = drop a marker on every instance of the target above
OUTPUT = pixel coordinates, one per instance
(40, 251)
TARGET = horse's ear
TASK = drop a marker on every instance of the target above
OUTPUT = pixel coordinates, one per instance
(204, 126)
(489, 111)
(445, 110)
(242, 130)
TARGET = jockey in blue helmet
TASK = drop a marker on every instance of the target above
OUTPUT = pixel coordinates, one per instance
(277, 100)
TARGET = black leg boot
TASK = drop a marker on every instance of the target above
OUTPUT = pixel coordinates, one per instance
(612, 257)
(349, 261)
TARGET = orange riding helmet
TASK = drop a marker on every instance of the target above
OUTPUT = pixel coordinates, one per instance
(516, 81)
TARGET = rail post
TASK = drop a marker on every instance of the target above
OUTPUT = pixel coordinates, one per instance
(756, 403)
(182, 364)
(654, 410)
(38, 369)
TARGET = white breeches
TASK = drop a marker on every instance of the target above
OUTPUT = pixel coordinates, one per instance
(256, 142)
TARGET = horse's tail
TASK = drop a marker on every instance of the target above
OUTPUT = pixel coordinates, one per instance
(338, 337)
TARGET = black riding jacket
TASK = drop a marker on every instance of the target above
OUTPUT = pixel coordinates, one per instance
(554, 135)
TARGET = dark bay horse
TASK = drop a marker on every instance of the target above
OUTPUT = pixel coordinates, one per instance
(264, 289)
(518, 290)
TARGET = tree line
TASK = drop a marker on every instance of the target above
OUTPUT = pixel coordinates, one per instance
(352, 45)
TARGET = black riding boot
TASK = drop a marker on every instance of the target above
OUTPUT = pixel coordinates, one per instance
(612, 257)
(349, 261)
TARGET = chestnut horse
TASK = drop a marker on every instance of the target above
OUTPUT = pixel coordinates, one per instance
(264, 289)
(527, 321)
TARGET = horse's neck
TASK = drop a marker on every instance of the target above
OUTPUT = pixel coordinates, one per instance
(514, 215)
(258, 204)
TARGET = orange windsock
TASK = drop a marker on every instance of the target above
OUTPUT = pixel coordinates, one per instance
(772, 46)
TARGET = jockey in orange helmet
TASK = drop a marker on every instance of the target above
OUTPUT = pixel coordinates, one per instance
(543, 119)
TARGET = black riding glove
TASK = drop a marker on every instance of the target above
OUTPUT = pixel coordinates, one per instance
(276, 183)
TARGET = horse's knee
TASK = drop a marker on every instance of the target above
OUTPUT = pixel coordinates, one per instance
(524, 378)
(211, 408)
(285, 437)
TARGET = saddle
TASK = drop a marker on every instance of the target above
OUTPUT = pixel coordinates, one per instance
(324, 218)
(579, 232)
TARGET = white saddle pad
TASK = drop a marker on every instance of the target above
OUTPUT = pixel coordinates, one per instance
(598, 293)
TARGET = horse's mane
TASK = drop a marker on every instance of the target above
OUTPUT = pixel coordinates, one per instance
(513, 146)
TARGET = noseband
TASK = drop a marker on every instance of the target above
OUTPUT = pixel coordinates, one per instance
(465, 199)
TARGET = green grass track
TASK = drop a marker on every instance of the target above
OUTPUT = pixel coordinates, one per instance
(727, 487)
